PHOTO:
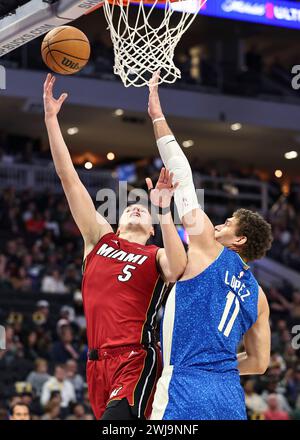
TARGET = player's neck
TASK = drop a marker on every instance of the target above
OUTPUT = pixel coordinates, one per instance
(135, 237)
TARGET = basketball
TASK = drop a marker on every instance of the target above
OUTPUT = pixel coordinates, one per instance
(66, 50)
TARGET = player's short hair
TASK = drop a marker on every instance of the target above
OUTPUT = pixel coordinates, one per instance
(258, 232)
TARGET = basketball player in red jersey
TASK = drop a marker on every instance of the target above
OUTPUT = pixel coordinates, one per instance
(123, 284)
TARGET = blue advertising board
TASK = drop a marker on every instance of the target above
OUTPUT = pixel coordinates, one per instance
(269, 12)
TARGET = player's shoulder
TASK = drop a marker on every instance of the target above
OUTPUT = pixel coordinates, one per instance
(263, 304)
(93, 248)
(153, 249)
(241, 263)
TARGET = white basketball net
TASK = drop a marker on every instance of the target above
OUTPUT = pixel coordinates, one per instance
(144, 38)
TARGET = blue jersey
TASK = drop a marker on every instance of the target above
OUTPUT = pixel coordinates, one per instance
(206, 317)
(204, 321)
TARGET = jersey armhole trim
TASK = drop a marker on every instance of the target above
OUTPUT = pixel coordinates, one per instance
(89, 255)
(257, 301)
(158, 268)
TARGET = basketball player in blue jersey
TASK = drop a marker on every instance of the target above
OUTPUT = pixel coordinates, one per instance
(215, 305)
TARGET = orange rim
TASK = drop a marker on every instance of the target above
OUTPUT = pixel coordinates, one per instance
(148, 2)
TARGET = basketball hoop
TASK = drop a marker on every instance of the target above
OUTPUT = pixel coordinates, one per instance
(145, 41)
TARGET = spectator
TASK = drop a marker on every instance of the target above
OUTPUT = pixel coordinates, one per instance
(273, 412)
(58, 383)
(86, 401)
(293, 388)
(35, 224)
(254, 401)
(80, 320)
(13, 347)
(20, 280)
(20, 411)
(42, 319)
(65, 348)
(75, 378)
(52, 411)
(273, 386)
(51, 224)
(68, 313)
(31, 346)
(72, 276)
(53, 283)
(3, 414)
(78, 412)
(39, 376)
(42, 307)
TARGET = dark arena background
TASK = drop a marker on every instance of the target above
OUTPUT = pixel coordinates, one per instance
(236, 113)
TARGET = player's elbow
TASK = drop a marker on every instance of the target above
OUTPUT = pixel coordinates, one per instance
(263, 364)
(179, 271)
(175, 274)
(172, 277)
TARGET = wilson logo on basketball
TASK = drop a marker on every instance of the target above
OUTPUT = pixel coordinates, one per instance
(70, 64)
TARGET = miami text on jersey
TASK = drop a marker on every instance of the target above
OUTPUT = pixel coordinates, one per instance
(110, 252)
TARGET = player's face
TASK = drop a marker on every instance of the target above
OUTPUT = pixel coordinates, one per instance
(20, 413)
(136, 215)
(226, 234)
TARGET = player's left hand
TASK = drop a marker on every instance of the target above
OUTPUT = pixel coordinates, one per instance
(163, 192)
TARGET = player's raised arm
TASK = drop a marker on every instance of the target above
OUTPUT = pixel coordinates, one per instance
(198, 225)
(91, 225)
(257, 342)
(172, 259)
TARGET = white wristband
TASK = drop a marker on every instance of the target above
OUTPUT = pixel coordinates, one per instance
(158, 119)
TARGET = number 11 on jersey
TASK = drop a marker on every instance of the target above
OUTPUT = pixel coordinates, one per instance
(230, 299)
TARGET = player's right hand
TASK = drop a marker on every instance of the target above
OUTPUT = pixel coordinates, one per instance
(52, 106)
(154, 107)
(163, 192)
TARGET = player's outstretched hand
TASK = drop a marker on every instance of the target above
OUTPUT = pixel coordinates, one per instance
(154, 107)
(52, 106)
(163, 192)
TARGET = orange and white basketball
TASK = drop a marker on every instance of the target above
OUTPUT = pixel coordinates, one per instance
(66, 50)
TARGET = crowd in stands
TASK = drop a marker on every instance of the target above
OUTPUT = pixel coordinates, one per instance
(285, 219)
(43, 367)
(45, 220)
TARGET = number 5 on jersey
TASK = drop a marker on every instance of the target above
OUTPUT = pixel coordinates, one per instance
(126, 273)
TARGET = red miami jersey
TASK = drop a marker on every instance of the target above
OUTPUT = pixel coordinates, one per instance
(122, 290)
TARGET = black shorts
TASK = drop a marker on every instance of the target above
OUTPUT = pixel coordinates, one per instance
(118, 410)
